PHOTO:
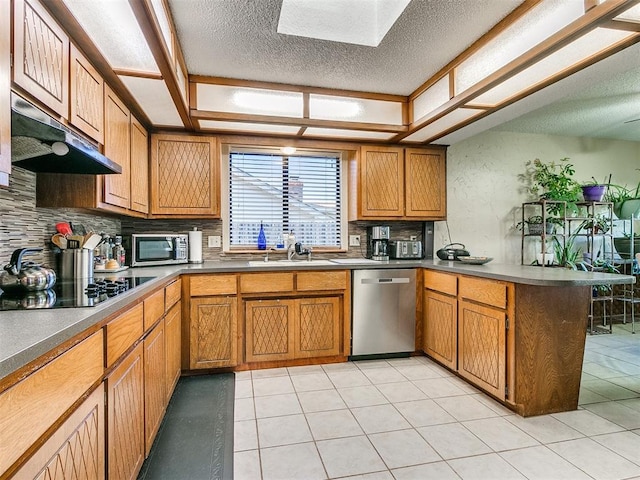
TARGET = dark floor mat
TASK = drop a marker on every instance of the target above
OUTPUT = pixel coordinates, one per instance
(195, 440)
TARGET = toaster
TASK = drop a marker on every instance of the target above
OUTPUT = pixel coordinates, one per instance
(406, 249)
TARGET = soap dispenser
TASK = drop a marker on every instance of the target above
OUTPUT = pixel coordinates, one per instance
(262, 239)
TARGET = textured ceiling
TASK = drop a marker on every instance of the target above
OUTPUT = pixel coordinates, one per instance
(238, 39)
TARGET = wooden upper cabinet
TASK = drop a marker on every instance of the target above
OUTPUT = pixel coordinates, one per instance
(184, 176)
(381, 182)
(117, 147)
(5, 93)
(41, 56)
(394, 183)
(87, 96)
(425, 187)
(139, 167)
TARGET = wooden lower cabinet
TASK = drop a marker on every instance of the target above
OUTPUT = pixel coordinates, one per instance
(465, 327)
(155, 395)
(317, 327)
(213, 330)
(125, 417)
(482, 346)
(287, 329)
(440, 328)
(76, 448)
(269, 330)
(173, 340)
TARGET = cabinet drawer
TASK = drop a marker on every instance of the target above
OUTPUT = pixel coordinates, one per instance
(30, 407)
(123, 332)
(490, 292)
(266, 283)
(322, 281)
(213, 285)
(172, 294)
(440, 282)
(153, 308)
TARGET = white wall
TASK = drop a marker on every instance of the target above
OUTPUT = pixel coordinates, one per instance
(484, 195)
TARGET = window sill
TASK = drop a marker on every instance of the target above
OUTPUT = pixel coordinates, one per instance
(315, 251)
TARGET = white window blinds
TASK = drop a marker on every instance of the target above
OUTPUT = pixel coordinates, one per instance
(299, 194)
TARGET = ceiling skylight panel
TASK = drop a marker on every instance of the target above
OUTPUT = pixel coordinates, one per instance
(153, 97)
(633, 14)
(360, 22)
(165, 24)
(113, 28)
(544, 20)
(254, 101)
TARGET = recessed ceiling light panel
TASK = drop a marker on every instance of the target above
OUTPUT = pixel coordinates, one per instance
(361, 22)
(113, 28)
(451, 119)
(328, 107)
(255, 101)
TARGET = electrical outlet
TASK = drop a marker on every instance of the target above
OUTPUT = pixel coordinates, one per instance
(214, 241)
(354, 240)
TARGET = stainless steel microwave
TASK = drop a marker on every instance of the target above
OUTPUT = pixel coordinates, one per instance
(156, 249)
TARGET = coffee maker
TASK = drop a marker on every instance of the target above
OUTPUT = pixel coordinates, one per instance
(378, 242)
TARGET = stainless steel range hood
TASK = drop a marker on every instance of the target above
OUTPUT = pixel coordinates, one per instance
(41, 144)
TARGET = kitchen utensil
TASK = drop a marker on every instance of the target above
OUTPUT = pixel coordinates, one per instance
(73, 243)
(449, 252)
(64, 228)
(19, 275)
(59, 240)
(91, 241)
(475, 260)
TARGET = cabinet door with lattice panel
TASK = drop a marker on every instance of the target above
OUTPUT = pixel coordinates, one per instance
(41, 55)
(184, 176)
(381, 182)
(213, 330)
(269, 330)
(482, 346)
(125, 417)
(317, 327)
(425, 187)
(76, 448)
(86, 109)
(5, 92)
(440, 328)
(139, 167)
(117, 147)
(155, 395)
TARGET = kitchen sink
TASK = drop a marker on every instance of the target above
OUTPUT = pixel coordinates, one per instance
(291, 263)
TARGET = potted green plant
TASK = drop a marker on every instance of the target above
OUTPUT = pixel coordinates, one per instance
(552, 181)
(535, 227)
(594, 191)
(566, 255)
(626, 201)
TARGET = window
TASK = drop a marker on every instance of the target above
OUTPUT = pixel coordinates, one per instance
(285, 193)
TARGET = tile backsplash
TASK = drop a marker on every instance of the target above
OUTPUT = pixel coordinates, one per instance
(22, 224)
(25, 225)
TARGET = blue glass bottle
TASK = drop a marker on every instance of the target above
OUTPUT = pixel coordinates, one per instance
(262, 239)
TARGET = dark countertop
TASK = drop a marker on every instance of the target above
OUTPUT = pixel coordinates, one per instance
(26, 335)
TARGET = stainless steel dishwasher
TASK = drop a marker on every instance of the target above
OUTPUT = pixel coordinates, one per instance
(384, 312)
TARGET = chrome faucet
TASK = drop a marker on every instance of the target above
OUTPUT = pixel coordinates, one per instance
(291, 252)
(300, 251)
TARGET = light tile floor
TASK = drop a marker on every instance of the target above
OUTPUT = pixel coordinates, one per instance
(409, 418)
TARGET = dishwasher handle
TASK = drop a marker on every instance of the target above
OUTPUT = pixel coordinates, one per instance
(384, 281)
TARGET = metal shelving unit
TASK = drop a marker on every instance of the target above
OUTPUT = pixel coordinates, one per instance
(627, 293)
(597, 247)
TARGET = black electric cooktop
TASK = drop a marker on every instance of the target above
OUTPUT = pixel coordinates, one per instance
(85, 292)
